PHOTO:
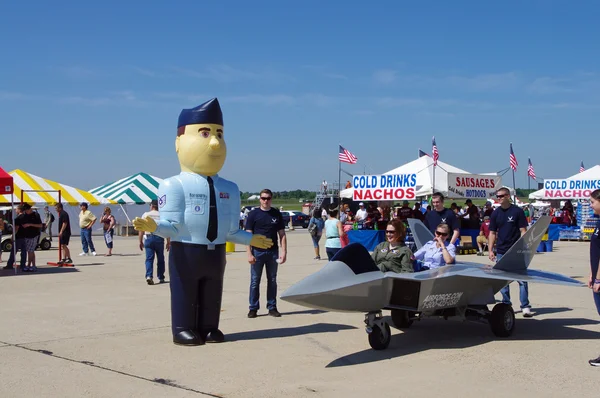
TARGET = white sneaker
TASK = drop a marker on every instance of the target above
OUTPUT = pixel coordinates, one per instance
(93, 253)
(527, 312)
(83, 254)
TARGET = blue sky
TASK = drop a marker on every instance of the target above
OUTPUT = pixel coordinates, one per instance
(93, 90)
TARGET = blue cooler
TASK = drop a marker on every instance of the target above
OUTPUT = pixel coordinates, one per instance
(541, 247)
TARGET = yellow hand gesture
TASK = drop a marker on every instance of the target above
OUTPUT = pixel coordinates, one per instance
(144, 224)
(261, 241)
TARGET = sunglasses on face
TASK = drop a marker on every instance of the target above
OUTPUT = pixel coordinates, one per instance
(265, 198)
(441, 233)
(500, 196)
(387, 231)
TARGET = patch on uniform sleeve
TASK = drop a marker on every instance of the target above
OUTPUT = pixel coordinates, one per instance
(224, 195)
(162, 201)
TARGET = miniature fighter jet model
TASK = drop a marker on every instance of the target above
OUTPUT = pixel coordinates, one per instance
(351, 282)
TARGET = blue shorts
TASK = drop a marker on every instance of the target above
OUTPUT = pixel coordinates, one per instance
(316, 240)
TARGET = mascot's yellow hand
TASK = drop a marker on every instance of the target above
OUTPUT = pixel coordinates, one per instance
(144, 224)
(261, 241)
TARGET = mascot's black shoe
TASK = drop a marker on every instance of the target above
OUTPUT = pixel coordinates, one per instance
(188, 337)
(216, 336)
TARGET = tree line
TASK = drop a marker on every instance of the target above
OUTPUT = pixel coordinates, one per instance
(283, 195)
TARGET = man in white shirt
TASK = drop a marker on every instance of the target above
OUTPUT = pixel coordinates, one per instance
(154, 246)
(361, 214)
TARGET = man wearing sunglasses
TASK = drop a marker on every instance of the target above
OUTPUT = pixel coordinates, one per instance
(507, 224)
(266, 221)
(441, 215)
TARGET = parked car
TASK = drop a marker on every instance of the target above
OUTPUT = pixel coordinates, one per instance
(299, 219)
(44, 242)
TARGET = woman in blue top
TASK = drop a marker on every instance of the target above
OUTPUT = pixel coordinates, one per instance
(319, 225)
(333, 232)
(594, 281)
(437, 252)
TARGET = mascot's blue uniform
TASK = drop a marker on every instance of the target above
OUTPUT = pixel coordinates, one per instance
(200, 214)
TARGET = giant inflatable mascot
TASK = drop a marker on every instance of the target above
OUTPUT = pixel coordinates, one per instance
(199, 211)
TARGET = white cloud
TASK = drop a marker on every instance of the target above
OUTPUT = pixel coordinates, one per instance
(143, 71)
(227, 74)
(384, 76)
(549, 85)
(275, 99)
(78, 72)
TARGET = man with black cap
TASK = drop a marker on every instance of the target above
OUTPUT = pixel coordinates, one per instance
(199, 212)
(154, 245)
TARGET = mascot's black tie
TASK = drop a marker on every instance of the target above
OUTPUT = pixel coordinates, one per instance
(211, 235)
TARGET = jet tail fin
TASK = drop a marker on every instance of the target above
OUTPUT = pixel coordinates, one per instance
(519, 256)
(421, 234)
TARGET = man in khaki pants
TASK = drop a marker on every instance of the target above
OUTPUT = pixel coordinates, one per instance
(86, 222)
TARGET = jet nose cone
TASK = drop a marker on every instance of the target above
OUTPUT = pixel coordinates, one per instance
(336, 288)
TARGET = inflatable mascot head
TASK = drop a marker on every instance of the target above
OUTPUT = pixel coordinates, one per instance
(200, 144)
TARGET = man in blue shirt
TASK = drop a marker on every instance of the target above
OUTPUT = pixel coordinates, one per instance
(267, 221)
(507, 225)
(199, 213)
(441, 215)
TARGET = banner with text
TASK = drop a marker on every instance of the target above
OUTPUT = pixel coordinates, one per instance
(473, 186)
(384, 187)
(570, 189)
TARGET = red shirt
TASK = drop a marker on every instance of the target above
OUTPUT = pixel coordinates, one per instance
(485, 228)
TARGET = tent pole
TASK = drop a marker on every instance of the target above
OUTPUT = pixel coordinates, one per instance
(128, 220)
(14, 241)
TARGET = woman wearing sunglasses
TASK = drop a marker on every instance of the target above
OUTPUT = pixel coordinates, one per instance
(393, 255)
(437, 252)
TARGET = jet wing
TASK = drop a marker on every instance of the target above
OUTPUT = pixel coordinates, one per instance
(475, 270)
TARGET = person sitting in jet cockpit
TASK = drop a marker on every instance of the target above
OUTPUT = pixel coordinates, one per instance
(438, 251)
(393, 255)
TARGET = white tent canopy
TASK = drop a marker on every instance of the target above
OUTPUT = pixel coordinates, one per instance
(423, 168)
(589, 174)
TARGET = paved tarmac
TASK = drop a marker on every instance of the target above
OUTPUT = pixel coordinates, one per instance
(98, 330)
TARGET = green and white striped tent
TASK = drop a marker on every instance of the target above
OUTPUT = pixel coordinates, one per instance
(139, 189)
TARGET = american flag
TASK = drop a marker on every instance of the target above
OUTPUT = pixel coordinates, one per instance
(581, 168)
(530, 171)
(346, 156)
(434, 151)
(513, 159)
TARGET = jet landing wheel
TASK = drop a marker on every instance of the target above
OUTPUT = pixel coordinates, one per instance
(379, 331)
(502, 320)
(380, 339)
(401, 319)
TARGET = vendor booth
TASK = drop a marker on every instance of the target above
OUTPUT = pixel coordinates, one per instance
(424, 170)
(133, 194)
(578, 188)
(40, 192)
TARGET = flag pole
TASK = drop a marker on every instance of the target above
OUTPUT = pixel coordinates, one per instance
(515, 187)
(339, 186)
(433, 185)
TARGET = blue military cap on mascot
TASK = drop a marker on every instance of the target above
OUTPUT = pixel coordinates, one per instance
(206, 113)
(199, 213)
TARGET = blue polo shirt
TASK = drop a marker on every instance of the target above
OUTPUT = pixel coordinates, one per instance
(434, 218)
(267, 223)
(507, 224)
